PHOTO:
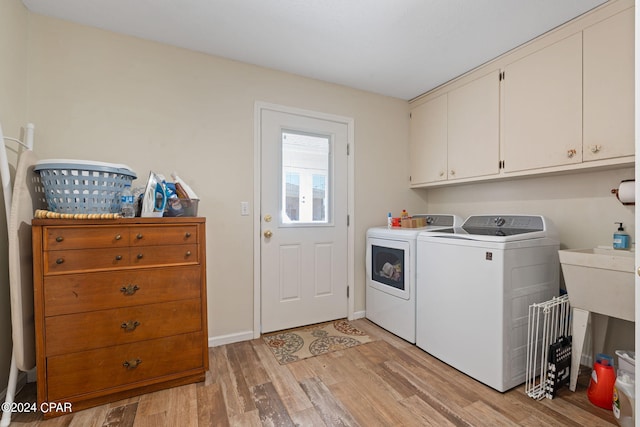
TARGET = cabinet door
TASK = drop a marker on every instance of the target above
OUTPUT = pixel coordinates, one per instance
(609, 87)
(428, 142)
(474, 128)
(543, 107)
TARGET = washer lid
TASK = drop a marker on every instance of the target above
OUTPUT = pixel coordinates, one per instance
(499, 228)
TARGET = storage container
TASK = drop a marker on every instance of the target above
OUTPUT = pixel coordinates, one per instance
(83, 186)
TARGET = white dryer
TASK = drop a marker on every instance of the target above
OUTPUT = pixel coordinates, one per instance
(391, 274)
(475, 285)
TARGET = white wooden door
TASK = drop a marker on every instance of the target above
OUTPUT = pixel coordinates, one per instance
(303, 211)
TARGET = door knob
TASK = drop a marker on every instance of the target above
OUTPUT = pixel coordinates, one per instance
(268, 234)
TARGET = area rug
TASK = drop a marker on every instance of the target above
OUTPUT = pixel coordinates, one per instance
(298, 344)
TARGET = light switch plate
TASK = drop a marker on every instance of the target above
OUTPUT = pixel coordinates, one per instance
(244, 208)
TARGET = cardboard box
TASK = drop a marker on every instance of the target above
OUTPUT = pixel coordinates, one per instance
(413, 222)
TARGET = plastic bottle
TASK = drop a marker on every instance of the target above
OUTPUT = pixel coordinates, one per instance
(603, 378)
(624, 399)
(126, 202)
(389, 220)
(620, 238)
(404, 214)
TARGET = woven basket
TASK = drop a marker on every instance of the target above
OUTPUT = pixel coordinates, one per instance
(82, 186)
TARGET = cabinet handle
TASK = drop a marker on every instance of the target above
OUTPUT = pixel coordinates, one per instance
(118, 257)
(139, 236)
(188, 253)
(452, 172)
(59, 260)
(441, 173)
(571, 153)
(129, 289)
(132, 364)
(59, 239)
(130, 325)
(140, 256)
(595, 148)
(187, 235)
(118, 237)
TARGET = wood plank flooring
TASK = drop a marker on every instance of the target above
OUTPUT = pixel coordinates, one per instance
(388, 382)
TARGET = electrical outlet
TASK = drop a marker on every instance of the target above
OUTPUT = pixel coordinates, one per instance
(244, 208)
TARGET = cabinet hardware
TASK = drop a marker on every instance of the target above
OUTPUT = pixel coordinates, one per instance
(452, 173)
(130, 325)
(595, 148)
(140, 256)
(118, 257)
(59, 239)
(132, 364)
(59, 261)
(129, 289)
(187, 234)
(188, 253)
(572, 152)
(268, 234)
(139, 236)
(118, 237)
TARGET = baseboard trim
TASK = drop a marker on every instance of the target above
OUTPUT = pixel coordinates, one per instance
(230, 339)
(359, 314)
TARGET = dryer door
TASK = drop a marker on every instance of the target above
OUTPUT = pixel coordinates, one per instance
(388, 267)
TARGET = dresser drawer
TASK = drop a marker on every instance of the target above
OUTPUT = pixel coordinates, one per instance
(62, 238)
(89, 330)
(75, 293)
(59, 262)
(164, 255)
(167, 235)
(95, 371)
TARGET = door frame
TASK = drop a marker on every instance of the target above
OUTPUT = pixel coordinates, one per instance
(257, 181)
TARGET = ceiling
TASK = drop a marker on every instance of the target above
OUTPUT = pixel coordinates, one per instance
(399, 48)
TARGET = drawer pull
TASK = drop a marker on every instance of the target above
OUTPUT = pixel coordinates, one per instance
(139, 236)
(188, 253)
(59, 239)
(118, 236)
(140, 256)
(187, 234)
(130, 325)
(132, 364)
(59, 260)
(118, 257)
(129, 289)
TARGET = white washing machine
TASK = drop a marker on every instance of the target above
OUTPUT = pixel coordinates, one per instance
(391, 274)
(474, 287)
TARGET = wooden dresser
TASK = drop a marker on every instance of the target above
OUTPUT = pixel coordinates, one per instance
(120, 307)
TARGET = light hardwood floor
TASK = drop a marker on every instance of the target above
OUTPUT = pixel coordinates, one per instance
(388, 382)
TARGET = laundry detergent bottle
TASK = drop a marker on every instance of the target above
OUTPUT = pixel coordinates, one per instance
(624, 397)
(603, 378)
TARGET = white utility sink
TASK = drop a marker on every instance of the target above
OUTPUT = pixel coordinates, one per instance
(598, 281)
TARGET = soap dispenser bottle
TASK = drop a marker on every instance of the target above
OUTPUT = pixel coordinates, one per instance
(620, 238)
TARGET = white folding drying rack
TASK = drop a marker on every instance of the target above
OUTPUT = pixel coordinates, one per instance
(7, 189)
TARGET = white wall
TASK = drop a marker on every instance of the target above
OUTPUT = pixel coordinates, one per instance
(13, 115)
(101, 96)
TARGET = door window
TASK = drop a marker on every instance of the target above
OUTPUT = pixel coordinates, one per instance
(306, 161)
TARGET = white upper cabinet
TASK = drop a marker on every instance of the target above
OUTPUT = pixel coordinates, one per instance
(428, 142)
(542, 108)
(609, 87)
(474, 128)
(456, 135)
(562, 102)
